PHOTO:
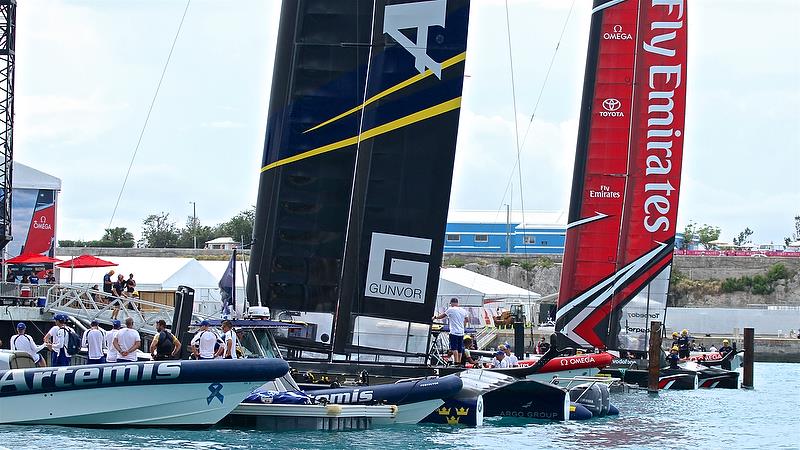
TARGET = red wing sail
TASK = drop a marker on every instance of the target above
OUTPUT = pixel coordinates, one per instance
(627, 174)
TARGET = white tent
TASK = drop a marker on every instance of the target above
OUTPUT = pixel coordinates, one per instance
(151, 274)
(472, 283)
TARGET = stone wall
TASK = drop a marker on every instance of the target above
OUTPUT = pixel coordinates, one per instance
(702, 269)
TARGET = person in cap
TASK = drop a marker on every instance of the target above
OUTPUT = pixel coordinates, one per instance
(684, 344)
(499, 361)
(113, 354)
(726, 347)
(164, 345)
(229, 341)
(512, 359)
(675, 337)
(22, 342)
(673, 357)
(204, 342)
(59, 336)
(127, 342)
(457, 320)
(94, 340)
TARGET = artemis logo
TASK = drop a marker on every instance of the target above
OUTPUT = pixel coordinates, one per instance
(398, 267)
(419, 17)
(611, 105)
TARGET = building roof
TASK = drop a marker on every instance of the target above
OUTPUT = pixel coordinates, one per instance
(26, 177)
(532, 219)
(472, 283)
(222, 240)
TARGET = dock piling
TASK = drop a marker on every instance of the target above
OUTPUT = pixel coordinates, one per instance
(654, 357)
(749, 357)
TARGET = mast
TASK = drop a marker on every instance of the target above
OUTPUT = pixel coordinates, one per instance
(8, 29)
(621, 221)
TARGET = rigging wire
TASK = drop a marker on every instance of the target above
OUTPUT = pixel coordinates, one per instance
(539, 98)
(149, 111)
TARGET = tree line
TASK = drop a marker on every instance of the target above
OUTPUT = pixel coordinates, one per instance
(708, 233)
(160, 231)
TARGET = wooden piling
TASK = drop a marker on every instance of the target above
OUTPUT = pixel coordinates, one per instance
(749, 347)
(654, 358)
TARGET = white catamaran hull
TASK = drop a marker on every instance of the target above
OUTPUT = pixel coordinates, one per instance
(157, 405)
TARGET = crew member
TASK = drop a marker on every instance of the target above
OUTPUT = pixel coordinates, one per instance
(60, 339)
(165, 345)
(204, 341)
(675, 338)
(543, 346)
(113, 354)
(510, 357)
(684, 344)
(673, 357)
(94, 340)
(726, 348)
(21, 342)
(127, 342)
(48, 338)
(457, 319)
(229, 341)
(467, 348)
(499, 361)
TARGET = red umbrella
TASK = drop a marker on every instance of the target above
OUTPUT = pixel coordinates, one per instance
(85, 261)
(31, 258)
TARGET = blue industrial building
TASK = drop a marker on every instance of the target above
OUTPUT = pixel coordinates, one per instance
(515, 232)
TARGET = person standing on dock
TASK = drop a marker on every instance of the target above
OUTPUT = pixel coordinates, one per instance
(113, 354)
(94, 340)
(204, 342)
(21, 342)
(457, 318)
(543, 346)
(127, 342)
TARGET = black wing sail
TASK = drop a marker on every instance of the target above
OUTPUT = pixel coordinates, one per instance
(307, 172)
(404, 171)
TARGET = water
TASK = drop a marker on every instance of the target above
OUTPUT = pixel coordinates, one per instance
(764, 418)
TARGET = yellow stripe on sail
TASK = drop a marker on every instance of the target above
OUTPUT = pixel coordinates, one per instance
(403, 84)
(372, 132)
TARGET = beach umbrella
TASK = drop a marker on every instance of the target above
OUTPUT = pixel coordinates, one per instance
(32, 258)
(84, 262)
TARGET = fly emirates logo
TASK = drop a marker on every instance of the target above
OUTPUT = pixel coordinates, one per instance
(667, 74)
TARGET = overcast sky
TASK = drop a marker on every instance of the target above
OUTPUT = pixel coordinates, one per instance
(87, 70)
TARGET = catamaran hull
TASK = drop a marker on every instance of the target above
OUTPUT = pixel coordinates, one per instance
(160, 405)
(168, 393)
(666, 380)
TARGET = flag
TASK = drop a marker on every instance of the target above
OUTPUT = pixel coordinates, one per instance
(226, 285)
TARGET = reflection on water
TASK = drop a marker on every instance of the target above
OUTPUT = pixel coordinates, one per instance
(764, 418)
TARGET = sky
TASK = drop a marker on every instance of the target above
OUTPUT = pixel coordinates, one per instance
(87, 71)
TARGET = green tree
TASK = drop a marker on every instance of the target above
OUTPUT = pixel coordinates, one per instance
(159, 232)
(708, 233)
(688, 235)
(240, 227)
(193, 227)
(743, 238)
(116, 237)
(796, 235)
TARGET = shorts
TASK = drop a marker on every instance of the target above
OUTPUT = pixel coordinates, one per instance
(457, 343)
(683, 354)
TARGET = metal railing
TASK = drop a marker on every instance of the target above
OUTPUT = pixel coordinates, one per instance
(87, 305)
(485, 337)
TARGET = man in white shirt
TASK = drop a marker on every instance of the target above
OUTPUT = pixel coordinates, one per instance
(48, 339)
(127, 342)
(229, 341)
(204, 342)
(113, 354)
(500, 361)
(59, 336)
(457, 318)
(510, 357)
(94, 340)
(21, 342)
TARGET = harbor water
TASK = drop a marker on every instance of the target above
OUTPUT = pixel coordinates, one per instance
(767, 417)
